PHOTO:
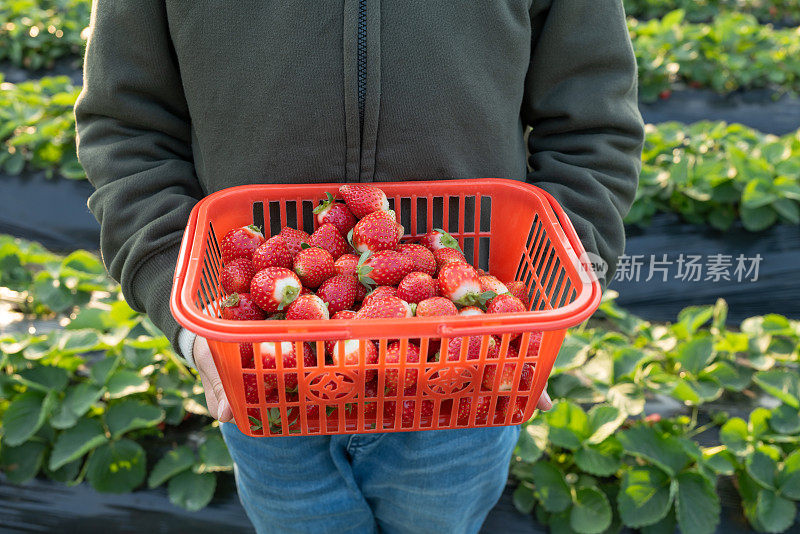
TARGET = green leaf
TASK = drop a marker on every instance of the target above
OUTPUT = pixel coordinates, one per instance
(762, 468)
(590, 512)
(117, 467)
(523, 498)
(780, 383)
(693, 317)
(626, 359)
(604, 420)
(76, 441)
(668, 525)
(662, 449)
(125, 382)
(785, 420)
(192, 491)
(775, 514)
(173, 462)
(696, 354)
(21, 463)
(214, 455)
(101, 370)
(569, 425)
(789, 477)
(572, 354)
(696, 504)
(532, 441)
(734, 434)
(551, 488)
(644, 496)
(53, 378)
(788, 209)
(602, 459)
(24, 416)
(627, 398)
(77, 402)
(757, 219)
(727, 375)
(721, 462)
(131, 414)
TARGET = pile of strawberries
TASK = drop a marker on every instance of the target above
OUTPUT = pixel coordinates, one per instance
(356, 265)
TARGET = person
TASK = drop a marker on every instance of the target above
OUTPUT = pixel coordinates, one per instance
(182, 99)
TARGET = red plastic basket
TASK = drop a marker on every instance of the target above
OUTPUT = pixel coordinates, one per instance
(514, 230)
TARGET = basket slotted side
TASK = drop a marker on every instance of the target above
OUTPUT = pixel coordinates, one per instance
(499, 230)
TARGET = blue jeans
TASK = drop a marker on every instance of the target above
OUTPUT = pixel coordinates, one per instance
(433, 481)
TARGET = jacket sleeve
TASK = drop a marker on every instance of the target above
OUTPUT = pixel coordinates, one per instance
(581, 104)
(134, 142)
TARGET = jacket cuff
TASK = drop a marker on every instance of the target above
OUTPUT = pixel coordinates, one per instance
(186, 346)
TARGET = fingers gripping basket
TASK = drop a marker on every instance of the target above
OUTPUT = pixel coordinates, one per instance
(514, 230)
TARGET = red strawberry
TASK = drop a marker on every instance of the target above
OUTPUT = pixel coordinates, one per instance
(502, 407)
(370, 404)
(246, 354)
(269, 358)
(506, 381)
(240, 243)
(380, 292)
(416, 287)
(274, 288)
(473, 348)
(444, 256)
(481, 410)
(250, 388)
(363, 199)
(339, 292)
(385, 308)
(240, 307)
(344, 314)
(329, 238)
(424, 261)
(471, 310)
(348, 352)
(313, 265)
(377, 231)
(409, 407)
(384, 268)
(439, 239)
(491, 283)
(307, 308)
(506, 303)
(335, 213)
(294, 239)
(346, 264)
(534, 342)
(459, 282)
(273, 253)
(393, 355)
(519, 290)
(236, 275)
(361, 293)
(436, 306)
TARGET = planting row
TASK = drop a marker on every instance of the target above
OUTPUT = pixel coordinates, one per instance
(781, 11)
(709, 172)
(104, 391)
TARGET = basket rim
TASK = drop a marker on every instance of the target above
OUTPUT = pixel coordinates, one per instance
(566, 239)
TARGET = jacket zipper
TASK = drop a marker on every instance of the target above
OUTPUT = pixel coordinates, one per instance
(361, 61)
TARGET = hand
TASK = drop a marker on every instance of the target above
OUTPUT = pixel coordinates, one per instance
(544, 403)
(218, 405)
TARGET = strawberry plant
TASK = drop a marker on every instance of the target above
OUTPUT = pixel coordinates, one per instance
(102, 399)
(717, 173)
(732, 52)
(34, 33)
(37, 127)
(787, 11)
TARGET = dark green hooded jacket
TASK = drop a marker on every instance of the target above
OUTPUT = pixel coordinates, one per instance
(183, 98)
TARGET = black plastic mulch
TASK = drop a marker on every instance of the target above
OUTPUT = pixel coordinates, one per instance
(760, 109)
(776, 289)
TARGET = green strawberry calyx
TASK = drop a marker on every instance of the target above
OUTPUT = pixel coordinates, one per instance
(363, 270)
(477, 299)
(447, 240)
(325, 204)
(231, 300)
(289, 294)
